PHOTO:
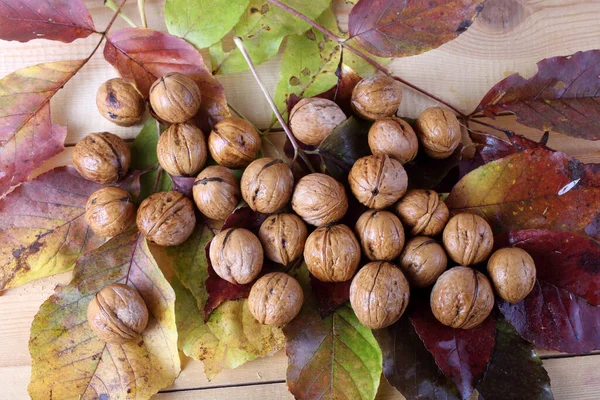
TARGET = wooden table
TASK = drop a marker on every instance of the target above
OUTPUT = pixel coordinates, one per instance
(510, 36)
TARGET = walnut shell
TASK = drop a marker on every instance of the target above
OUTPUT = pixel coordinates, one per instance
(468, 239)
(120, 102)
(216, 192)
(377, 181)
(313, 119)
(376, 97)
(109, 211)
(181, 150)
(267, 185)
(395, 137)
(332, 253)
(117, 314)
(381, 235)
(423, 212)
(166, 218)
(462, 298)
(423, 260)
(175, 98)
(275, 299)
(234, 143)
(283, 237)
(379, 294)
(236, 255)
(512, 272)
(319, 199)
(102, 157)
(438, 131)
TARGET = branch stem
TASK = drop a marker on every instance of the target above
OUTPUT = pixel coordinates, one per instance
(142, 10)
(507, 132)
(113, 6)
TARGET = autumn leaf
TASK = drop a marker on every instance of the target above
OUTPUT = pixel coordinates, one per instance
(563, 96)
(62, 20)
(69, 361)
(389, 28)
(27, 135)
(427, 173)
(184, 185)
(329, 295)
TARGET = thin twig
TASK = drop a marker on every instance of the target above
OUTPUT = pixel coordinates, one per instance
(142, 10)
(266, 139)
(507, 132)
(112, 5)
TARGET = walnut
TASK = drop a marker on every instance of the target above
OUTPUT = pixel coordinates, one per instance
(236, 255)
(381, 235)
(275, 299)
(319, 199)
(120, 102)
(166, 218)
(117, 314)
(468, 239)
(462, 298)
(512, 272)
(423, 260)
(175, 98)
(109, 211)
(267, 185)
(379, 294)
(438, 131)
(216, 192)
(102, 157)
(332, 253)
(234, 142)
(395, 137)
(313, 119)
(377, 181)
(423, 212)
(181, 150)
(283, 237)
(376, 97)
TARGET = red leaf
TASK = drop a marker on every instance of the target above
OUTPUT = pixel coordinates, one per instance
(183, 185)
(62, 20)
(330, 295)
(555, 319)
(391, 28)
(341, 93)
(244, 217)
(461, 354)
(563, 96)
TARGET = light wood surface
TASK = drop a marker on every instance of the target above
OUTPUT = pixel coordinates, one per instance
(510, 36)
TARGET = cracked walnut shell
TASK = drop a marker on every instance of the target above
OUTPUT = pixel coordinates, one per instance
(381, 235)
(109, 211)
(234, 142)
(267, 185)
(313, 119)
(376, 97)
(119, 102)
(319, 199)
(216, 192)
(378, 181)
(395, 137)
(468, 239)
(181, 150)
(512, 272)
(283, 237)
(236, 255)
(175, 98)
(275, 299)
(166, 218)
(423, 212)
(423, 260)
(102, 157)
(438, 131)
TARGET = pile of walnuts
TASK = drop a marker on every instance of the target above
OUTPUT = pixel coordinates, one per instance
(394, 241)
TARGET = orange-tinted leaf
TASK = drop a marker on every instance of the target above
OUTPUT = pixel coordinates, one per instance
(391, 28)
(563, 96)
(69, 361)
(62, 20)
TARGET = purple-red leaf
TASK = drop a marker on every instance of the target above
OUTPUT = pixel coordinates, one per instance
(183, 185)
(329, 295)
(563, 96)
(62, 20)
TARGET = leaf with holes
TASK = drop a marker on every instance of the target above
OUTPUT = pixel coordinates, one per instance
(69, 361)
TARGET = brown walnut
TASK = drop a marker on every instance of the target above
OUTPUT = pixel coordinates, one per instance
(175, 98)
(423, 260)
(319, 199)
(468, 239)
(376, 97)
(102, 157)
(181, 150)
(166, 218)
(109, 211)
(275, 299)
(117, 314)
(512, 272)
(267, 185)
(381, 235)
(332, 253)
(120, 102)
(236, 255)
(313, 119)
(462, 298)
(377, 181)
(234, 143)
(395, 137)
(379, 294)
(423, 212)
(438, 131)
(216, 192)
(283, 237)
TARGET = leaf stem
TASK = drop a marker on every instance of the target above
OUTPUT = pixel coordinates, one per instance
(142, 10)
(113, 6)
(507, 132)
(362, 55)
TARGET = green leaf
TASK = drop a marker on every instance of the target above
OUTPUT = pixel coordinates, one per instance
(202, 22)
(143, 149)
(148, 183)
